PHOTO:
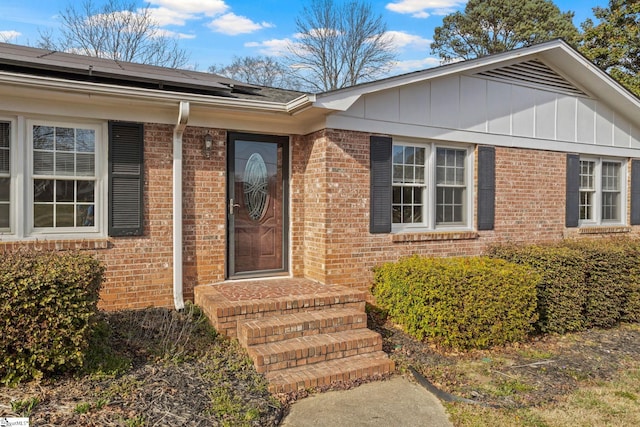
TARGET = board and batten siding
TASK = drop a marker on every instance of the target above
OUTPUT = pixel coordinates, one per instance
(454, 106)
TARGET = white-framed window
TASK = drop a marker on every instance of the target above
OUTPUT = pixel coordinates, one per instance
(5, 175)
(602, 191)
(63, 176)
(52, 179)
(431, 186)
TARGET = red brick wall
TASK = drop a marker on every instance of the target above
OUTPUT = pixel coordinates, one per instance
(530, 207)
(139, 270)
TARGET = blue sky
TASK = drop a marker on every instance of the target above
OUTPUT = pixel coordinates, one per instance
(213, 31)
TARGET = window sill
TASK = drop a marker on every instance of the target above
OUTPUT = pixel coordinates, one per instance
(433, 236)
(604, 229)
(56, 244)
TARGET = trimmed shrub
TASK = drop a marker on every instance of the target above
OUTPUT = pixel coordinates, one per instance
(609, 272)
(562, 291)
(47, 303)
(459, 302)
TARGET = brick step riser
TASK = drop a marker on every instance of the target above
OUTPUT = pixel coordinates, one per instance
(252, 335)
(227, 325)
(310, 356)
(324, 378)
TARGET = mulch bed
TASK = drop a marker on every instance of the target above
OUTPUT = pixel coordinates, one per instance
(524, 374)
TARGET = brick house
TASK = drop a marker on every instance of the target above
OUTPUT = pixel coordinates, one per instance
(177, 179)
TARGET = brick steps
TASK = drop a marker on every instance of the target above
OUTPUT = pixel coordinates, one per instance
(325, 373)
(313, 349)
(299, 333)
(288, 326)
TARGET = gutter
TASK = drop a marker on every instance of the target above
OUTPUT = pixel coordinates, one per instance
(183, 118)
(155, 96)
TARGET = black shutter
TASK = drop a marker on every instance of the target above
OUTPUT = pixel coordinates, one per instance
(635, 192)
(125, 178)
(486, 187)
(380, 215)
(572, 213)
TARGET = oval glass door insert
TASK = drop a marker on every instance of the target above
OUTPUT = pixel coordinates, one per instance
(256, 181)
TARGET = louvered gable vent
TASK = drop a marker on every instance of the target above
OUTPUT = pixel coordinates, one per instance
(533, 73)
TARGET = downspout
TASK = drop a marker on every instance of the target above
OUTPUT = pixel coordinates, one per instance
(183, 118)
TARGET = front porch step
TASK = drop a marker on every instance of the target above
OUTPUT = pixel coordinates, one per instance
(325, 373)
(312, 349)
(227, 303)
(299, 333)
(288, 326)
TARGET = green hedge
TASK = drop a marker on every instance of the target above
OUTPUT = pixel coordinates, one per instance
(459, 302)
(585, 283)
(562, 291)
(47, 304)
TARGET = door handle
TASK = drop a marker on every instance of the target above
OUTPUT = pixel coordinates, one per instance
(232, 206)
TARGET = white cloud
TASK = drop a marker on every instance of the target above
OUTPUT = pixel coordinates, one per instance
(402, 39)
(175, 35)
(409, 65)
(193, 7)
(164, 16)
(7, 35)
(232, 24)
(424, 8)
(273, 47)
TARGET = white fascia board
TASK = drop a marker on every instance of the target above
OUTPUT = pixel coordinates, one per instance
(470, 137)
(153, 96)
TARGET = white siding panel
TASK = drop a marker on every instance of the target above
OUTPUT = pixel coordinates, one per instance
(523, 114)
(621, 132)
(383, 105)
(357, 109)
(415, 104)
(604, 124)
(473, 104)
(586, 121)
(566, 121)
(635, 138)
(545, 114)
(499, 107)
(445, 102)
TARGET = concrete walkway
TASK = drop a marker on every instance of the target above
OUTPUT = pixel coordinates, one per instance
(397, 402)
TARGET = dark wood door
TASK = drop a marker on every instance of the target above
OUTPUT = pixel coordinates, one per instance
(257, 202)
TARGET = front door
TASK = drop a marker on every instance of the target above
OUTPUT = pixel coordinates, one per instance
(257, 204)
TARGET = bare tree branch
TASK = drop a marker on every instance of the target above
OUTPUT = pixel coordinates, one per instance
(339, 45)
(119, 30)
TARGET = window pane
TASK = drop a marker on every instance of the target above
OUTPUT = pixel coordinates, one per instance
(5, 189)
(85, 191)
(408, 175)
(43, 137)
(586, 174)
(65, 139)
(419, 174)
(65, 191)
(398, 154)
(397, 214)
(610, 176)
(43, 190)
(85, 216)
(417, 214)
(420, 155)
(450, 205)
(407, 195)
(4, 160)
(417, 195)
(4, 215)
(610, 205)
(5, 135)
(407, 217)
(43, 163)
(65, 164)
(85, 165)
(397, 195)
(397, 173)
(409, 157)
(65, 216)
(42, 215)
(586, 206)
(85, 140)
